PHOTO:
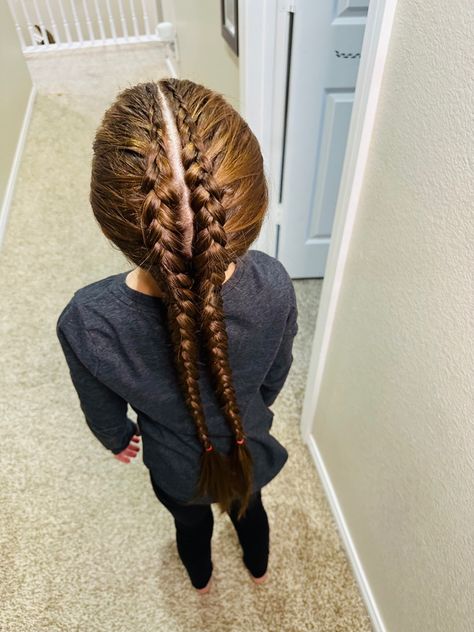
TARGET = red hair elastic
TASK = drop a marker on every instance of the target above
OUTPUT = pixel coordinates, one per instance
(209, 448)
(240, 441)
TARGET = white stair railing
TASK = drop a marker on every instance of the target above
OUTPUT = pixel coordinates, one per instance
(47, 25)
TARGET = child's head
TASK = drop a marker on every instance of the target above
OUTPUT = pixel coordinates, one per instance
(178, 186)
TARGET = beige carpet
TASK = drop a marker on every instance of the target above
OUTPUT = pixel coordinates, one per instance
(85, 546)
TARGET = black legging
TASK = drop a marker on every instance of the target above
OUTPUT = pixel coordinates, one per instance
(194, 526)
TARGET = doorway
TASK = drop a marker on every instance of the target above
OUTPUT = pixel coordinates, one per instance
(322, 57)
(297, 88)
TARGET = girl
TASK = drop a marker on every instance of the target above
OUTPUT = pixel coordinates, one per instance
(197, 338)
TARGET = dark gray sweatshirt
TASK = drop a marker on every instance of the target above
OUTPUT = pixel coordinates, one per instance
(119, 353)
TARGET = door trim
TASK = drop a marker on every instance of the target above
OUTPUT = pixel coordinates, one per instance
(263, 32)
(258, 69)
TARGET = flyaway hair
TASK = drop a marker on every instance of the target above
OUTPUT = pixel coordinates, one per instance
(178, 186)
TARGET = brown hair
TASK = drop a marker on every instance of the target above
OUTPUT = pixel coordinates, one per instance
(178, 186)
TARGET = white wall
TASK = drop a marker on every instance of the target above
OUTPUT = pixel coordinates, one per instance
(205, 57)
(15, 92)
(394, 421)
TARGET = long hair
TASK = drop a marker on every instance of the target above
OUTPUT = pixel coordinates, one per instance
(178, 186)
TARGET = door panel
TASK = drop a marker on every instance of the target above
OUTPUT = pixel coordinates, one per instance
(326, 44)
(335, 126)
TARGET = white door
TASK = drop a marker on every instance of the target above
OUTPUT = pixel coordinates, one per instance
(325, 41)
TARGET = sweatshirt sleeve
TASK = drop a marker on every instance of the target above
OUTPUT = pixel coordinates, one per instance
(278, 372)
(105, 412)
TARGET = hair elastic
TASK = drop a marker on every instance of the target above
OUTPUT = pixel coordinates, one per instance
(209, 448)
(240, 441)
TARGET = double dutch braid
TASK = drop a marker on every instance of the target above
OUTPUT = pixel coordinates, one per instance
(162, 227)
(210, 261)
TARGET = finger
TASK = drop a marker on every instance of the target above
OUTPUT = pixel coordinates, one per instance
(121, 457)
(130, 453)
(136, 439)
(132, 448)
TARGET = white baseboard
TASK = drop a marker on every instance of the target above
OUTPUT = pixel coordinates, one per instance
(7, 199)
(344, 532)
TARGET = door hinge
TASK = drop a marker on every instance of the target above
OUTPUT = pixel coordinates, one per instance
(291, 8)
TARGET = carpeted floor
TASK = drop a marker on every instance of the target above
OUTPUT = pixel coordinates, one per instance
(85, 546)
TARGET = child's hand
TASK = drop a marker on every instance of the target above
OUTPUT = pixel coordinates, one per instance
(130, 451)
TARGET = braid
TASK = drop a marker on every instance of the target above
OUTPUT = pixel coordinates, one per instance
(162, 224)
(210, 261)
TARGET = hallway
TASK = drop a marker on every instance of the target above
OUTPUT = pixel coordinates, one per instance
(85, 545)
